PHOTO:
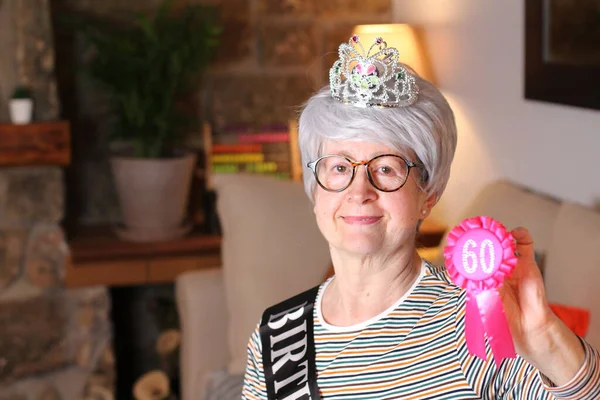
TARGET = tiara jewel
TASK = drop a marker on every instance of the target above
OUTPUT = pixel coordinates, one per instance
(371, 79)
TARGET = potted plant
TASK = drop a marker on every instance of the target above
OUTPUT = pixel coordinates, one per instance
(21, 106)
(146, 68)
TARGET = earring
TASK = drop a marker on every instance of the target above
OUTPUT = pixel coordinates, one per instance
(423, 212)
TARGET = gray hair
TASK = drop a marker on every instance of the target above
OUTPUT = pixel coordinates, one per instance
(426, 129)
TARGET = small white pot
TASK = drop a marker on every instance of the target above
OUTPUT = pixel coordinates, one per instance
(21, 111)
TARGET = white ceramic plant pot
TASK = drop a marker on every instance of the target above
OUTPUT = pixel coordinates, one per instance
(153, 195)
(21, 111)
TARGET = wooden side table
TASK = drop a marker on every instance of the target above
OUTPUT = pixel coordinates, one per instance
(98, 257)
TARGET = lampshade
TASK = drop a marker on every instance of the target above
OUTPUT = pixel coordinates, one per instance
(403, 37)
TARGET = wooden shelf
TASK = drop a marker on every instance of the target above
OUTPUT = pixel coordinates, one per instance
(40, 143)
(98, 257)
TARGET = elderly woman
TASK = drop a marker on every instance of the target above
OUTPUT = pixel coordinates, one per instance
(379, 142)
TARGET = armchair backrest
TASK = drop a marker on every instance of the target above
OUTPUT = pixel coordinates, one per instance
(272, 249)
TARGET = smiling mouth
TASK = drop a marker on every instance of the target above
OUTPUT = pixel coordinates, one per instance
(361, 220)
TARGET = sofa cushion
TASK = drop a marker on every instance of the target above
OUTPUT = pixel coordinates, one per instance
(272, 249)
(514, 206)
(573, 263)
(223, 386)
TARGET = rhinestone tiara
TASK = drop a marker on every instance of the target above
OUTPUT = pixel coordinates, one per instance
(371, 79)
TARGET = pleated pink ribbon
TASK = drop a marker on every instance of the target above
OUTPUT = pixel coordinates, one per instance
(480, 253)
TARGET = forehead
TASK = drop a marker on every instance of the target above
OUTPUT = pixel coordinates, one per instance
(359, 150)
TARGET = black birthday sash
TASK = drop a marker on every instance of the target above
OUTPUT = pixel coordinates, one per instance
(288, 348)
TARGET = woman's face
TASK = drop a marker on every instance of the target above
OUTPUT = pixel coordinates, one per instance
(362, 220)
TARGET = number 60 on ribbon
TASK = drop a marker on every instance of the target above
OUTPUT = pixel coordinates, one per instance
(470, 259)
(478, 254)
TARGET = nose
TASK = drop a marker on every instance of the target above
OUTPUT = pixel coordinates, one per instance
(360, 190)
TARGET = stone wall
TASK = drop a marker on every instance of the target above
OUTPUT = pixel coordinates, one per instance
(7, 63)
(277, 53)
(54, 342)
(274, 54)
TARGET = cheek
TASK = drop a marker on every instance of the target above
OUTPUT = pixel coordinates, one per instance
(321, 209)
(323, 217)
(407, 207)
(325, 205)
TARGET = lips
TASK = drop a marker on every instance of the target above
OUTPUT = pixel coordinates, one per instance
(361, 219)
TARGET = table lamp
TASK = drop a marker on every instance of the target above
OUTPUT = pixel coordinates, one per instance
(406, 38)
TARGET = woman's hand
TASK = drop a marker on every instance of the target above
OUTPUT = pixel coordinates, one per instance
(524, 296)
(538, 334)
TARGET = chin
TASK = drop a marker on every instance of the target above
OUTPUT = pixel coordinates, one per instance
(361, 245)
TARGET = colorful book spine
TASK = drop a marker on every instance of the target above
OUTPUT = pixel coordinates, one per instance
(236, 148)
(241, 128)
(266, 167)
(240, 158)
(226, 168)
(271, 137)
(261, 167)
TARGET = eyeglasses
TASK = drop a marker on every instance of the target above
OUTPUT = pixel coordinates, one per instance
(387, 172)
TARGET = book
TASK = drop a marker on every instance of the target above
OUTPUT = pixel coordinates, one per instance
(268, 137)
(236, 148)
(241, 158)
(250, 149)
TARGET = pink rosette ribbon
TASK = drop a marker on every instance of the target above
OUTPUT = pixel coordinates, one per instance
(480, 253)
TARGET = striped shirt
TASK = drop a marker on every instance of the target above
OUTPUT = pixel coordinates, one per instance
(416, 349)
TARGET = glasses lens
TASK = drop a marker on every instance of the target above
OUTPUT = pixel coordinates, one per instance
(388, 172)
(334, 172)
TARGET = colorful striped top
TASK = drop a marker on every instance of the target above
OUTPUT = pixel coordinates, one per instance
(416, 350)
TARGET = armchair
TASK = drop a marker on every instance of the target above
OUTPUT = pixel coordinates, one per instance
(271, 250)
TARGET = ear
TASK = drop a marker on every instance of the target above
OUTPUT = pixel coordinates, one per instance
(428, 205)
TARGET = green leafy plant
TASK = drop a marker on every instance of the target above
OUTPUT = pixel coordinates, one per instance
(21, 92)
(147, 66)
